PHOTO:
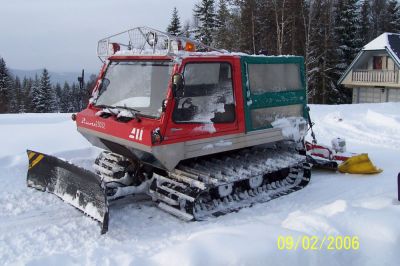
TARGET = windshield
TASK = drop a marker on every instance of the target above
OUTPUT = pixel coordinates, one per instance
(137, 85)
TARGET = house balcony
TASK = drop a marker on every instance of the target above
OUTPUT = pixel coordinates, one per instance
(375, 76)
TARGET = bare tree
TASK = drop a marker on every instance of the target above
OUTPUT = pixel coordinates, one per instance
(282, 21)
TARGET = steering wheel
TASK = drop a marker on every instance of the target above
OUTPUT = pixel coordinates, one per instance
(185, 102)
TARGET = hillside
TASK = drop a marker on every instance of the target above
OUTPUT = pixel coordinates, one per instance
(55, 77)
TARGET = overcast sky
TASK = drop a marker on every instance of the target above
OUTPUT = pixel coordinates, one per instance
(62, 35)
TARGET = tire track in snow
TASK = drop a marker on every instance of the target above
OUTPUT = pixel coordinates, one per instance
(370, 128)
(37, 219)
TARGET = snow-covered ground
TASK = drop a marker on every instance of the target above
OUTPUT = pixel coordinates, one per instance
(38, 229)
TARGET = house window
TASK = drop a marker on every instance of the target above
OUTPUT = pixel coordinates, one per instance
(377, 62)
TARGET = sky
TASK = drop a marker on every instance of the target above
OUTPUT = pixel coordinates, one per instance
(62, 35)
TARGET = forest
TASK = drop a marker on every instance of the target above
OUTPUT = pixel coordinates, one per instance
(327, 33)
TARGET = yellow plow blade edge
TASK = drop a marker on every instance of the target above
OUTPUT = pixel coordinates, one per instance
(359, 164)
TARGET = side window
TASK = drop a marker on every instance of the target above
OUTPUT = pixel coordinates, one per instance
(274, 78)
(207, 95)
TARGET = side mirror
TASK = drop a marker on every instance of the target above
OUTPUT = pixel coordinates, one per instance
(164, 105)
(177, 85)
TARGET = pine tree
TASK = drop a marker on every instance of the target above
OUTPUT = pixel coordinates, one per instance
(174, 27)
(58, 94)
(234, 28)
(16, 99)
(66, 99)
(365, 23)
(378, 13)
(43, 95)
(27, 94)
(392, 17)
(19, 95)
(5, 87)
(83, 96)
(294, 38)
(75, 97)
(49, 93)
(248, 27)
(186, 29)
(322, 75)
(205, 14)
(347, 42)
(38, 100)
(223, 22)
(310, 13)
(346, 28)
(315, 50)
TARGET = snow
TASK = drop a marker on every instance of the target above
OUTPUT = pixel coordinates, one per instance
(379, 43)
(292, 128)
(37, 228)
(134, 51)
(125, 113)
(220, 143)
(209, 127)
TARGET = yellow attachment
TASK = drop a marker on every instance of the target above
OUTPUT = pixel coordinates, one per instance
(359, 164)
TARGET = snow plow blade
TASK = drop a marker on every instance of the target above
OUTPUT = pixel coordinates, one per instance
(359, 164)
(75, 185)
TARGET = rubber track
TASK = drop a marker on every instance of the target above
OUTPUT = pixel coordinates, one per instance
(190, 191)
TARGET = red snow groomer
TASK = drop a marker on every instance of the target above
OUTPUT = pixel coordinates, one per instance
(202, 131)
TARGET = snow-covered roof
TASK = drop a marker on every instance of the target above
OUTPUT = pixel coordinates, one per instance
(389, 42)
(385, 41)
(379, 43)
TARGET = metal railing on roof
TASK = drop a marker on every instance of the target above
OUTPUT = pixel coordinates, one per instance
(146, 41)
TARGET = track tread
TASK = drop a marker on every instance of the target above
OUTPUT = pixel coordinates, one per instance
(200, 179)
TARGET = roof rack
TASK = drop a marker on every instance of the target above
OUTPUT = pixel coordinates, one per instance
(148, 41)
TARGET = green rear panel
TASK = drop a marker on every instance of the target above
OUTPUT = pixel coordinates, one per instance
(270, 100)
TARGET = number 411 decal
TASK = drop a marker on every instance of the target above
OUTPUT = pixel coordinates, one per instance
(136, 133)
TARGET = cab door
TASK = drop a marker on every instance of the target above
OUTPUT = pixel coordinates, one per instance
(206, 106)
(274, 87)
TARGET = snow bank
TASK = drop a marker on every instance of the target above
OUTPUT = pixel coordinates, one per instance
(37, 228)
(48, 133)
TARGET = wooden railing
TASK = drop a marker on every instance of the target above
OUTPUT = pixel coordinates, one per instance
(376, 76)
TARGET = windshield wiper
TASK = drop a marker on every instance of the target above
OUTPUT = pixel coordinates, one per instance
(128, 108)
(104, 106)
(136, 112)
(133, 111)
(109, 109)
(117, 107)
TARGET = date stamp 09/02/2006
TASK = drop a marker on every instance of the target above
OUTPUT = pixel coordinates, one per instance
(318, 243)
